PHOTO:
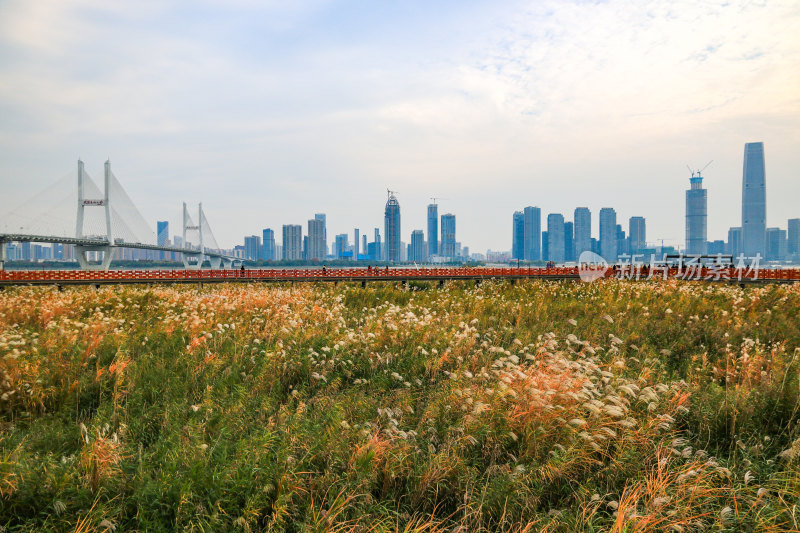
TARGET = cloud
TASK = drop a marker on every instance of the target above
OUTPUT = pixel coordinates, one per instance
(276, 111)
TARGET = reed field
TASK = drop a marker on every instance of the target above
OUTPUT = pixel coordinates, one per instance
(540, 406)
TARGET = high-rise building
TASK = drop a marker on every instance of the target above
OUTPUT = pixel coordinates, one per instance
(583, 231)
(268, 245)
(417, 250)
(734, 246)
(518, 236)
(622, 241)
(433, 229)
(569, 241)
(533, 234)
(637, 234)
(545, 246)
(341, 246)
(555, 237)
(162, 236)
(776, 244)
(793, 244)
(292, 242)
(364, 244)
(449, 236)
(716, 247)
(162, 227)
(391, 221)
(377, 252)
(315, 248)
(355, 244)
(754, 201)
(608, 234)
(373, 252)
(324, 219)
(696, 216)
(252, 247)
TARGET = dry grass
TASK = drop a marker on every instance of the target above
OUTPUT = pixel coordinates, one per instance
(539, 407)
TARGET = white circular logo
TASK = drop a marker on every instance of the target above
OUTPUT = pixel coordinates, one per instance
(591, 266)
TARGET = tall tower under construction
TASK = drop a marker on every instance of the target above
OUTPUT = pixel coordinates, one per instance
(696, 216)
(433, 229)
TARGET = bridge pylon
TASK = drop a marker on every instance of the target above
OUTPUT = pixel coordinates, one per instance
(83, 203)
(193, 259)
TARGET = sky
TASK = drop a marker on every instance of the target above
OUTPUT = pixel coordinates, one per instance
(269, 112)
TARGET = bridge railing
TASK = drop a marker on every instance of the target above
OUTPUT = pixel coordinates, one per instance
(44, 276)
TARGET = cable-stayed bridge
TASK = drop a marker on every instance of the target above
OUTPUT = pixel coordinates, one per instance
(75, 211)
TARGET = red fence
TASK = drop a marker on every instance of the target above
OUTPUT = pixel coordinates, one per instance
(359, 274)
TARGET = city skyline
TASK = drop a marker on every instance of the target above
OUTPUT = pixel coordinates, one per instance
(469, 101)
(563, 240)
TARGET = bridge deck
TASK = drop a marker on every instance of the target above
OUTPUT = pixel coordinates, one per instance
(101, 242)
(87, 277)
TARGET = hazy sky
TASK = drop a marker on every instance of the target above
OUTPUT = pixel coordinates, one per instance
(271, 111)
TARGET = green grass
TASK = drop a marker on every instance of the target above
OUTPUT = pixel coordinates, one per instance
(554, 406)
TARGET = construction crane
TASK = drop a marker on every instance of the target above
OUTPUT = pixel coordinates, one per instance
(698, 171)
(434, 198)
(390, 193)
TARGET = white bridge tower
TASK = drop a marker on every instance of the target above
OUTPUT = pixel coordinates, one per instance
(192, 259)
(83, 202)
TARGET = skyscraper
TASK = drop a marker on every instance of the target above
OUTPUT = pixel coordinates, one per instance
(433, 229)
(569, 241)
(355, 244)
(292, 242)
(252, 247)
(583, 231)
(608, 234)
(417, 247)
(533, 234)
(449, 236)
(622, 241)
(776, 244)
(162, 227)
(324, 219)
(163, 232)
(754, 201)
(696, 216)
(637, 234)
(545, 245)
(268, 245)
(340, 245)
(391, 221)
(793, 244)
(377, 252)
(734, 246)
(316, 239)
(518, 236)
(555, 237)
